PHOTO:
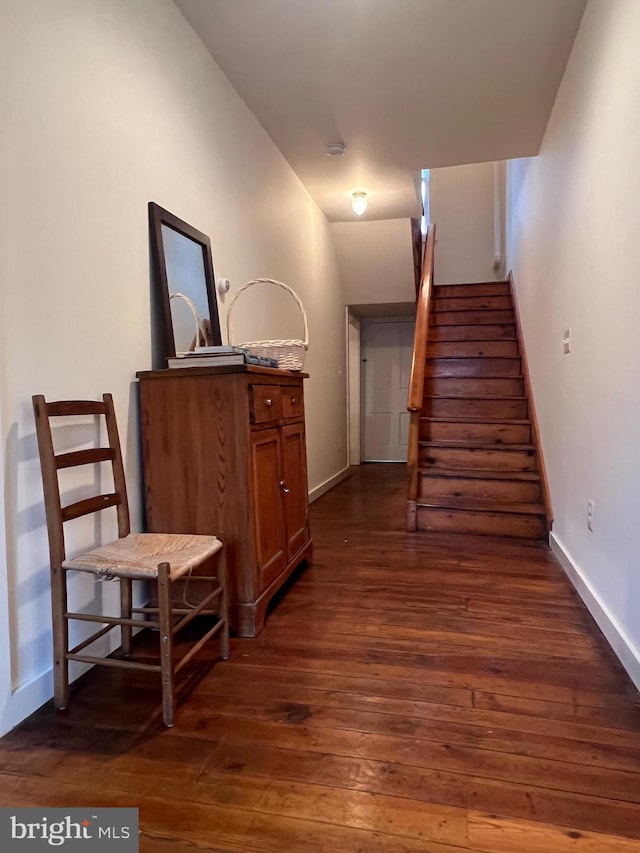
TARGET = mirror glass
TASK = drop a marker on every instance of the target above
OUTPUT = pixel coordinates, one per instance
(187, 288)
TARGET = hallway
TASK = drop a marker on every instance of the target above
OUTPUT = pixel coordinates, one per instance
(410, 692)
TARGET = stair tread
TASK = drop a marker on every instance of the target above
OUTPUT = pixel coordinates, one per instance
(473, 396)
(491, 376)
(474, 505)
(437, 295)
(475, 445)
(472, 283)
(470, 420)
(469, 357)
(473, 326)
(435, 342)
(473, 357)
(480, 474)
(437, 309)
(447, 334)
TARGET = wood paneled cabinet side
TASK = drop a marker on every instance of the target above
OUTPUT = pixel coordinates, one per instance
(224, 454)
(269, 511)
(294, 469)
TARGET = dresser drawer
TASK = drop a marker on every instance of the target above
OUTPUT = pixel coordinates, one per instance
(266, 403)
(292, 403)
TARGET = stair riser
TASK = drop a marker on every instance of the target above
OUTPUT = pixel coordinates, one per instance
(463, 408)
(470, 387)
(473, 367)
(498, 288)
(479, 432)
(473, 349)
(487, 460)
(432, 488)
(480, 523)
(472, 303)
(472, 333)
(470, 318)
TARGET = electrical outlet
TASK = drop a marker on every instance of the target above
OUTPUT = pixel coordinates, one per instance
(590, 508)
(566, 341)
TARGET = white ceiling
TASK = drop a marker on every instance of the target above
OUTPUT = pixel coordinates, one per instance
(405, 84)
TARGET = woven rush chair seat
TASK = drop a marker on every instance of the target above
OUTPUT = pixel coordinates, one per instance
(139, 554)
(159, 559)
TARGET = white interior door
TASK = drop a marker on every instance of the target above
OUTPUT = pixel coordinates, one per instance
(387, 348)
(354, 393)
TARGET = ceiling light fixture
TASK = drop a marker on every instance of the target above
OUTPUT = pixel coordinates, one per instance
(359, 203)
(335, 149)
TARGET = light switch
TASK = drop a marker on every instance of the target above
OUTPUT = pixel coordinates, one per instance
(566, 341)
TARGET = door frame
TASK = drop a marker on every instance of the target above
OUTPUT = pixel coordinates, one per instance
(355, 379)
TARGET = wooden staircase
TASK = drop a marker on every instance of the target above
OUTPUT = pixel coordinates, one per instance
(473, 458)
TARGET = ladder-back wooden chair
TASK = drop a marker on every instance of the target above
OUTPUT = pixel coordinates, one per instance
(160, 558)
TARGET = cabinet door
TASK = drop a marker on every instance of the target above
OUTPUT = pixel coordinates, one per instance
(294, 471)
(266, 466)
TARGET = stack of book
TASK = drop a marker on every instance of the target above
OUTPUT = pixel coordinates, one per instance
(218, 357)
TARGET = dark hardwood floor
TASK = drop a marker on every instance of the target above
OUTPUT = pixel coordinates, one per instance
(410, 692)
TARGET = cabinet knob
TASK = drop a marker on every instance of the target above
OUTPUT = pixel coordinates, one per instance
(268, 402)
(284, 488)
(293, 400)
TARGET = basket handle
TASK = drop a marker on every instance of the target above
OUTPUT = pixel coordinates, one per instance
(278, 284)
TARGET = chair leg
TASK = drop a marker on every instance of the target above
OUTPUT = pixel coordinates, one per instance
(60, 637)
(224, 604)
(166, 644)
(126, 603)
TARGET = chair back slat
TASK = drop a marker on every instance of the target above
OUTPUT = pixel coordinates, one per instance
(89, 505)
(85, 457)
(63, 408)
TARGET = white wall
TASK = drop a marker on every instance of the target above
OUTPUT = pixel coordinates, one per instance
(106, 105)
(462, 205)
(5, 659)
(375, 260)
(572, 239)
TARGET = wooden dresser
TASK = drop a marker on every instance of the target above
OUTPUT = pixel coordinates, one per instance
(224, 453)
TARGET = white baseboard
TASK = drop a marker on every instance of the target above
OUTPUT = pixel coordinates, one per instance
(627, 654)
(320, 490)
(25, 700)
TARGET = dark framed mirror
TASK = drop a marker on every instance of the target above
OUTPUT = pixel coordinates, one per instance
(182, 265)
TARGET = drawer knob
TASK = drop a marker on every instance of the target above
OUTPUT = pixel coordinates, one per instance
(294, 400)
(268, 402)
(284, 488)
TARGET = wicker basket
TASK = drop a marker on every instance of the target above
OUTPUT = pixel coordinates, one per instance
(289, 353)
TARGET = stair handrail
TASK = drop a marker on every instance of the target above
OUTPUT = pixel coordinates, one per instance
(416, 385)
(418, 366)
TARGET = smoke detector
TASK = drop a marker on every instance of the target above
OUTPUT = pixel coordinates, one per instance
(335, 149)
